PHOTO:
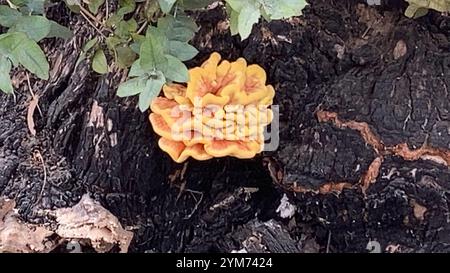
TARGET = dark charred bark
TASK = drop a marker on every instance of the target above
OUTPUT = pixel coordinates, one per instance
(364, 130)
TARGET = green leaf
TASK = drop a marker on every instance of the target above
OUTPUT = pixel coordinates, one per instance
(125, 28)
(180, 29)
(244, 14)
(36, 27)
(166, 5)
(132, 87)
(195, 4)
(31, 56)
(73, 5)
(166, 23)
(152, 88)
(234, 22)
(176, 70)
(138, 40)
(9, 42)
(247, 18)
(236, 5)
(74, 9)
(136, 47)
(158, 35)
(99, 63)
(112, 42)
(279, 9)
(132, 25)
(58, 31)
(8, 16)
(90, 44)
(19, 3)
(421, 12)
(152, 55)
(418, 8)
(114, 20)
(73, 2)
(181, 34)
(125, 56)
(411, 10)
(136, 69)
(22, 50)
(126, 6)
(151, 10)
(416, 11)
(94, 5)
(183, 51)
(34, 7)
(5, 80)
(186, 21)
(265, 15)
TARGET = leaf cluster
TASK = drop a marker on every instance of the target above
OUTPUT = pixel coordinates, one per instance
(26, 26)
(161, 54)
(150, 38)
(244, 14)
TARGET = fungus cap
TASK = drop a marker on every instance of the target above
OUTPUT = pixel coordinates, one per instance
(222, 111)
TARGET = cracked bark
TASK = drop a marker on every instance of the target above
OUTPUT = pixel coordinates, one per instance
(369, 148)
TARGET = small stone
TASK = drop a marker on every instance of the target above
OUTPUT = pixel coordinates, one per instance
(400, 49)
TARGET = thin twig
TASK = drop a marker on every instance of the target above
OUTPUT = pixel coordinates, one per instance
(11, 5)
(33, 95)
(196, 205)
(144, 25)
(107, 9)
(137, 10)
(89, 14)
(183, 171)
(181, 187)
(92, 24)
(41, 159)
(328, 242)
(193, 191)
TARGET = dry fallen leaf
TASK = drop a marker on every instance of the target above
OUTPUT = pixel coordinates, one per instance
(418, 210)
(19, 237)
(31, 108)
(393, 248)
(89, 220)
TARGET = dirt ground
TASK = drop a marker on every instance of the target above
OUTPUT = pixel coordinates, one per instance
(364, 149)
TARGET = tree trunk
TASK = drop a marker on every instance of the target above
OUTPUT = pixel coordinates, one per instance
(364, 148)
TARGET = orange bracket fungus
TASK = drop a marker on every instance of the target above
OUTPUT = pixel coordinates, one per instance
(222, 111)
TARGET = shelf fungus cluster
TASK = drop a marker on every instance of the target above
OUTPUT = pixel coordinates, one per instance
(222, 111)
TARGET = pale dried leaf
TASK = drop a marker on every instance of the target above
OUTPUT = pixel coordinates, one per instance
(19, 237)
(418, 210)
(31, 108)
(89, 220)
(393, 248)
